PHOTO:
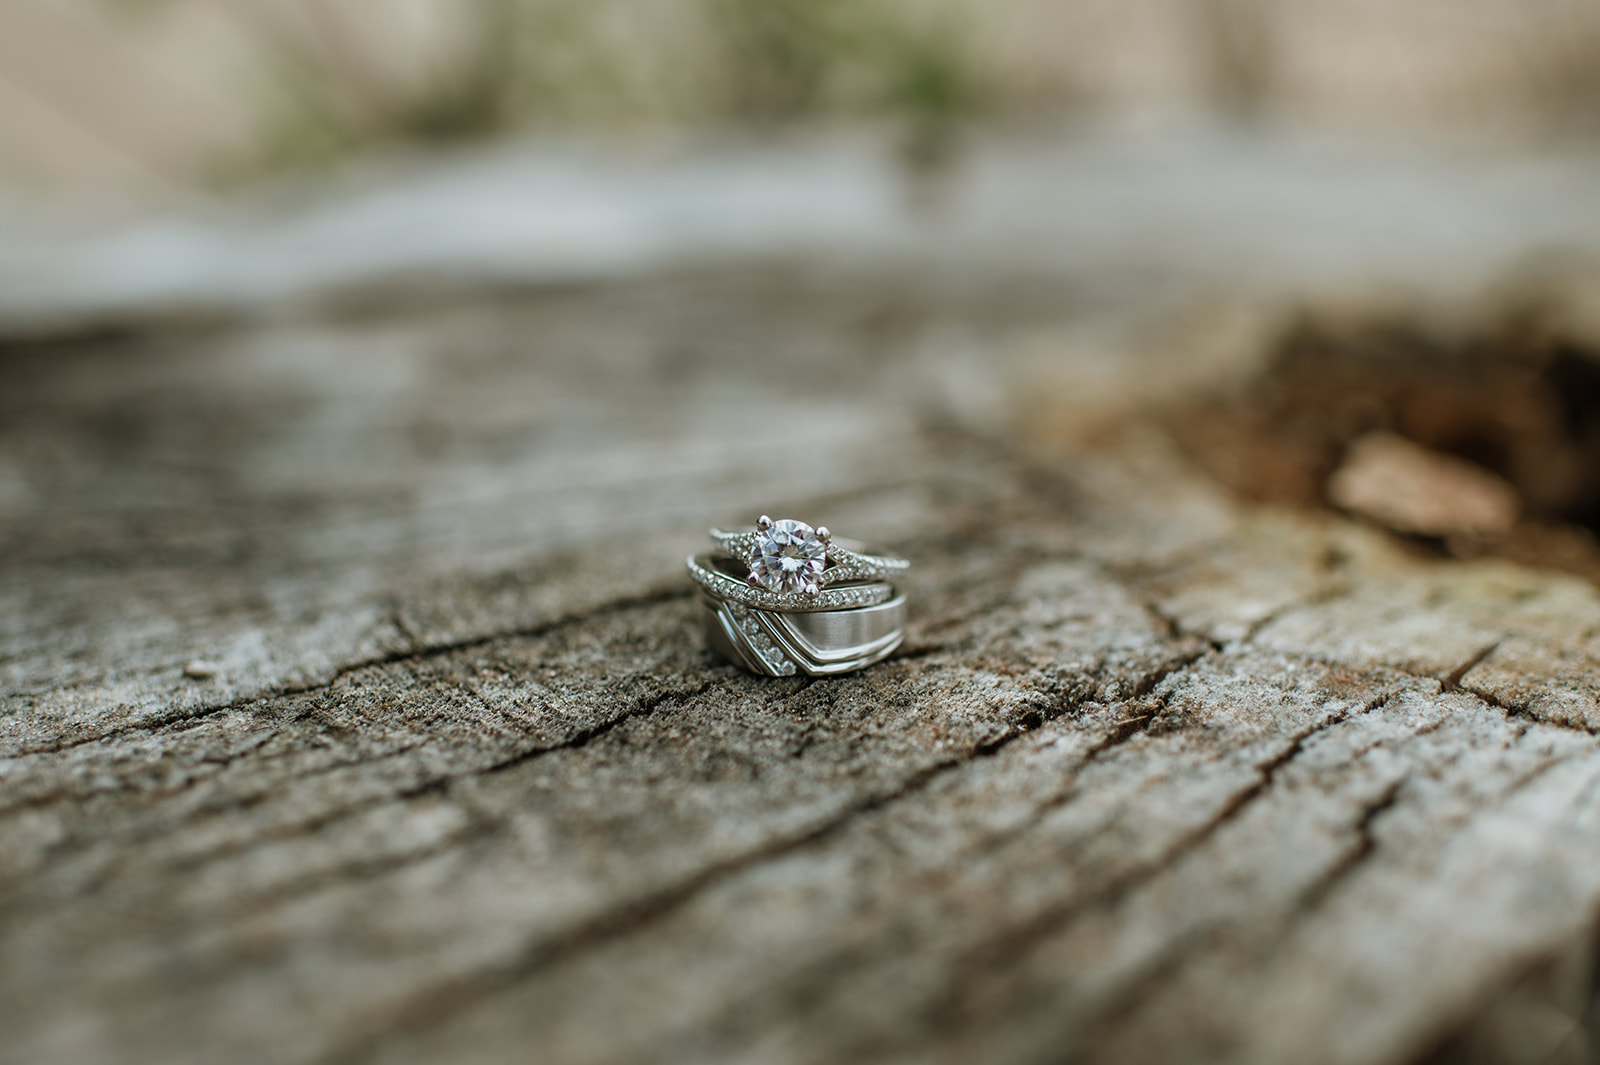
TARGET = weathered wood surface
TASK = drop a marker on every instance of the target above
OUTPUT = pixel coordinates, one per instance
(1159, 776)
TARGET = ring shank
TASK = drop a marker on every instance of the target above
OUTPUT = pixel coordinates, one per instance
(820, 643)
(830, 631)
(718, 577)
(846, 617)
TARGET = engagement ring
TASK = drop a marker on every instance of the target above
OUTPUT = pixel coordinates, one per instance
(790, 556)
(789, 598)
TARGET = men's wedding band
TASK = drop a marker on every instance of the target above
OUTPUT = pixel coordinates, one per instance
(818, 643)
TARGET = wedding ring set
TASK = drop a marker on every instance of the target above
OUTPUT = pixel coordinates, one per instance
(788, 598)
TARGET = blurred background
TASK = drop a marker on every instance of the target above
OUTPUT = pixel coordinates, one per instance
(115, 109)
(336, 330)
(1155, 131)
(433, 287)
(146, 99)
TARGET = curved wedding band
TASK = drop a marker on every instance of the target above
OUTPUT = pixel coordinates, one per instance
(789, 598)
(819, 643)
(712, 574)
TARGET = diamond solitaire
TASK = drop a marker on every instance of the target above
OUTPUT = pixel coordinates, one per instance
(788, 556)
(790, 566)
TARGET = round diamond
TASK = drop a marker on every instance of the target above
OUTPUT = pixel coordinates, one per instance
(788, 557)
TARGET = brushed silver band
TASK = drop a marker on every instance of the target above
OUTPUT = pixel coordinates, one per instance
(789, 598)
(817, 643)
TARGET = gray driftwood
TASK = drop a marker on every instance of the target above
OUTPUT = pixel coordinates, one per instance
(354, 714)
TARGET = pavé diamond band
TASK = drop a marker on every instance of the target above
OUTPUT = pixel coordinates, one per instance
(717, 577)
(789, 598)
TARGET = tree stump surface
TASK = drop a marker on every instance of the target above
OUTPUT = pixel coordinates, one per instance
(356, 709)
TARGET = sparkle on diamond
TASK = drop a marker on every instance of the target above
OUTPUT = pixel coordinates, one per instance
(788, 558)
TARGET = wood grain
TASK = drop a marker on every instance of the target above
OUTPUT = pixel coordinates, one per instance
(1160, 775)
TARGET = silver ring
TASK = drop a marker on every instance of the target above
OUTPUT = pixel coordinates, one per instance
(818, 643)
(791, 557)
(712, 574)
(788, 598)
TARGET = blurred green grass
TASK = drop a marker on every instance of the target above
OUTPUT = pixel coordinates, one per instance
(154, 96)
(525, 63)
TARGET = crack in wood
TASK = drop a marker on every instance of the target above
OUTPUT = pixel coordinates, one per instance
(1016, 938)
(1166, 967)
(1451, 681)
(158, 723)
(437, 1006)
(243, 907)
(583, 737)
(1319, 597)
(430, 1009)
(1366, 845)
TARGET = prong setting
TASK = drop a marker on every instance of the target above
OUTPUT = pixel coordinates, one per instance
(787, 556)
